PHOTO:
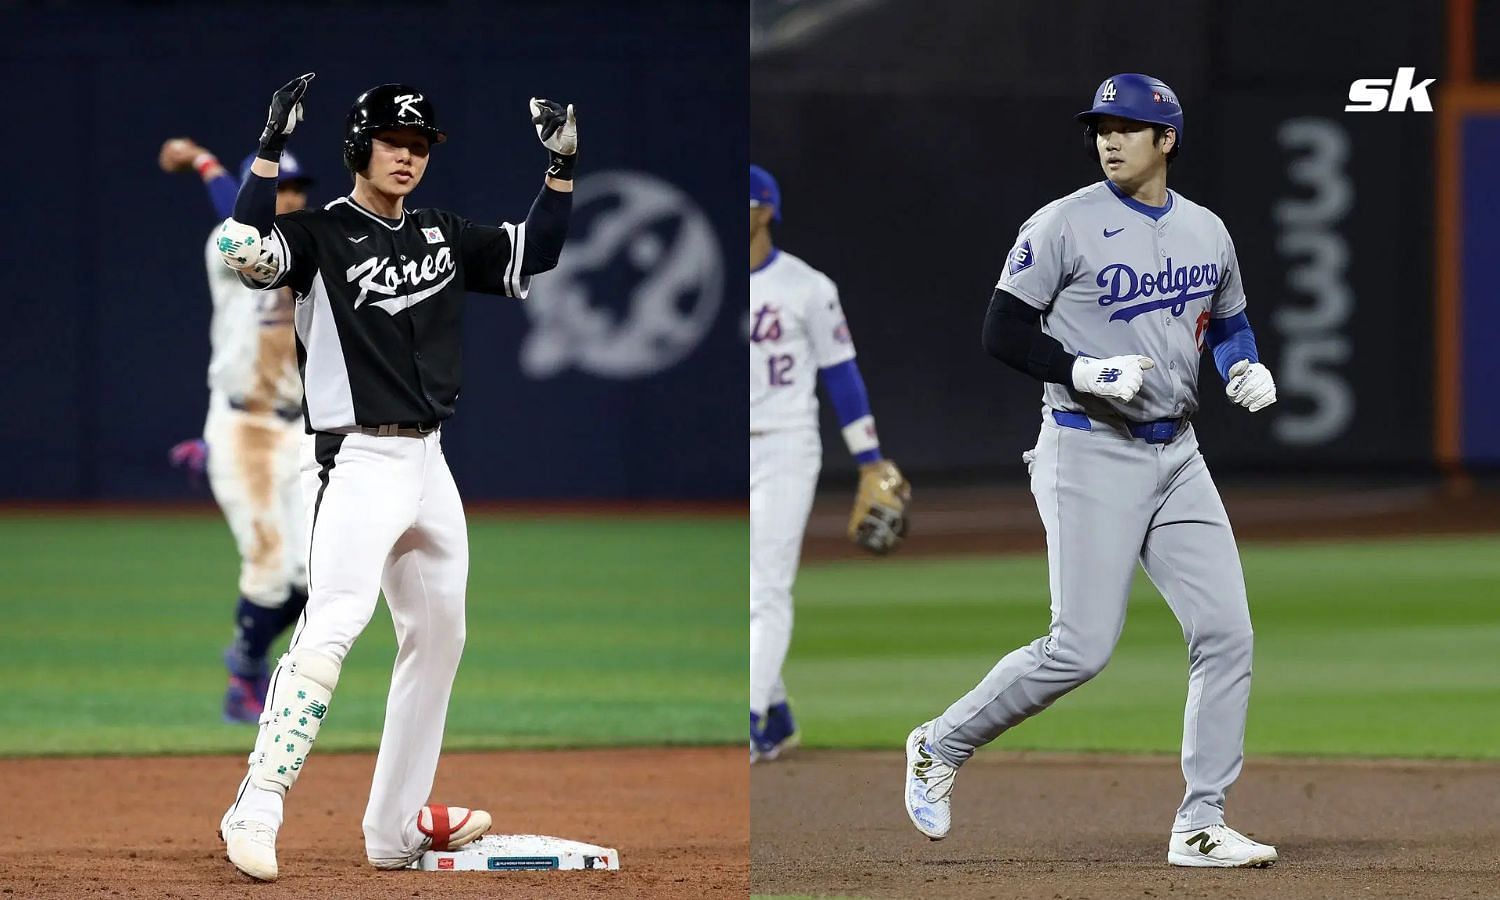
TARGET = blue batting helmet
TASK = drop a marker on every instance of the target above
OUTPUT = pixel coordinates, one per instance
(1138, 97)
(765, 192)
(291, 170)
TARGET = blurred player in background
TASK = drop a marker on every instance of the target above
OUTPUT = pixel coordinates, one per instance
(798, 333)
(251, 435)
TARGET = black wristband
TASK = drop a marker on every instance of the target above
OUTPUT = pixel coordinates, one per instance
(271, 152)
(560, 166)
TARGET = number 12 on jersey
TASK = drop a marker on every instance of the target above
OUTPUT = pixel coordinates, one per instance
(780, 369)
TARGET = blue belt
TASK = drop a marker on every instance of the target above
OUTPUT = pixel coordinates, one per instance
(1160, 431)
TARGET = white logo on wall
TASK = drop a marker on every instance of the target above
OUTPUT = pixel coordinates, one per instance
(638, 287)
(1371, 94)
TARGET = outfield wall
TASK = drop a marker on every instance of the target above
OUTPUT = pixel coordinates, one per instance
(928, 154)
(608, 382)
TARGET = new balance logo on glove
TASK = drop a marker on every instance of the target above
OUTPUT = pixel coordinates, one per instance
(1109, 375)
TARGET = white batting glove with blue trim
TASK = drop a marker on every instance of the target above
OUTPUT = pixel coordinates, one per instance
(1251, 385)
(1114, 378)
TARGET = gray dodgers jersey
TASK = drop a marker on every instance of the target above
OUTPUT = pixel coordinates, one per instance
(1111, 281)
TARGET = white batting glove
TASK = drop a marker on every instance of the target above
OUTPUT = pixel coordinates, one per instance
(1251, 385)
(1114, 378)
(248, 252)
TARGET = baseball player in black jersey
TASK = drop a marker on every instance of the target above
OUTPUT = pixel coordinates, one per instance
(379, 294)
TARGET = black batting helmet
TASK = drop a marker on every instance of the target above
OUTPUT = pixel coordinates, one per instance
(382, 107)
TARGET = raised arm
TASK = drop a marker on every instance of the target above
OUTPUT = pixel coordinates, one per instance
(183, 154)
(246, 241)
(547, 222)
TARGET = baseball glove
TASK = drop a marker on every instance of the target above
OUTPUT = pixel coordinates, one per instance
(879, 520)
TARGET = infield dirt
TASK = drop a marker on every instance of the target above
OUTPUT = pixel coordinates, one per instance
(1059, 827)
(145, 827)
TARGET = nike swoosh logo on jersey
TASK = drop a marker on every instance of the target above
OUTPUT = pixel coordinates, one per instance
(1110, 234)
(396, 304)
(358, 239)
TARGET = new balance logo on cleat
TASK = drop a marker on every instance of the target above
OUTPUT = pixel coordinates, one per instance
(1109, 375)
(1205, 844)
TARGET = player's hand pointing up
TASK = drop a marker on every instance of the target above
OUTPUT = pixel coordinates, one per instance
(556, 126)
(285, 113)
(557, 129)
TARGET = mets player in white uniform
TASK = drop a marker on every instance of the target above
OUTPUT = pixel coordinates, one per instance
(1108, 297)
(797, 336)
(251, 435)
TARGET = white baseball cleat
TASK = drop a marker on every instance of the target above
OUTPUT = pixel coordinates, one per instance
(442, 828)
(251, 846)
(1219, 847)
(929, 786)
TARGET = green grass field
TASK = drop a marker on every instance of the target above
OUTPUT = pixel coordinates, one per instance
(581, 631)
(1388, 648)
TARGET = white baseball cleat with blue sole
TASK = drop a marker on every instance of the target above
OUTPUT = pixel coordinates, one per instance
(929, 786)
(1218, 847)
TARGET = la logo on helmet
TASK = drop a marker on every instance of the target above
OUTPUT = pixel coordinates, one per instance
(1109, 91)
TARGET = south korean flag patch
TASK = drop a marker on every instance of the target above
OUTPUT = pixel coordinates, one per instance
(433, 235)
(1021, 258)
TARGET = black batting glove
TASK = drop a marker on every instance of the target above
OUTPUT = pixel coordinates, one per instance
(286, 112)
(557, 128)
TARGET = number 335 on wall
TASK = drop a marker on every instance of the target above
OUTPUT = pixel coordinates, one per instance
(1316, 345)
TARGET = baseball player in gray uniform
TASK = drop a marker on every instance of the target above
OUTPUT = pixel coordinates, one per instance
(1109, 297)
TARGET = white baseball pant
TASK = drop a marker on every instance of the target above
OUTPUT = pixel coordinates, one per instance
(784, 468)
(252, 469)
(386, 515)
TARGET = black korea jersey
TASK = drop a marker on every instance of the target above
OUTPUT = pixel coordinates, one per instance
(380, 305)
